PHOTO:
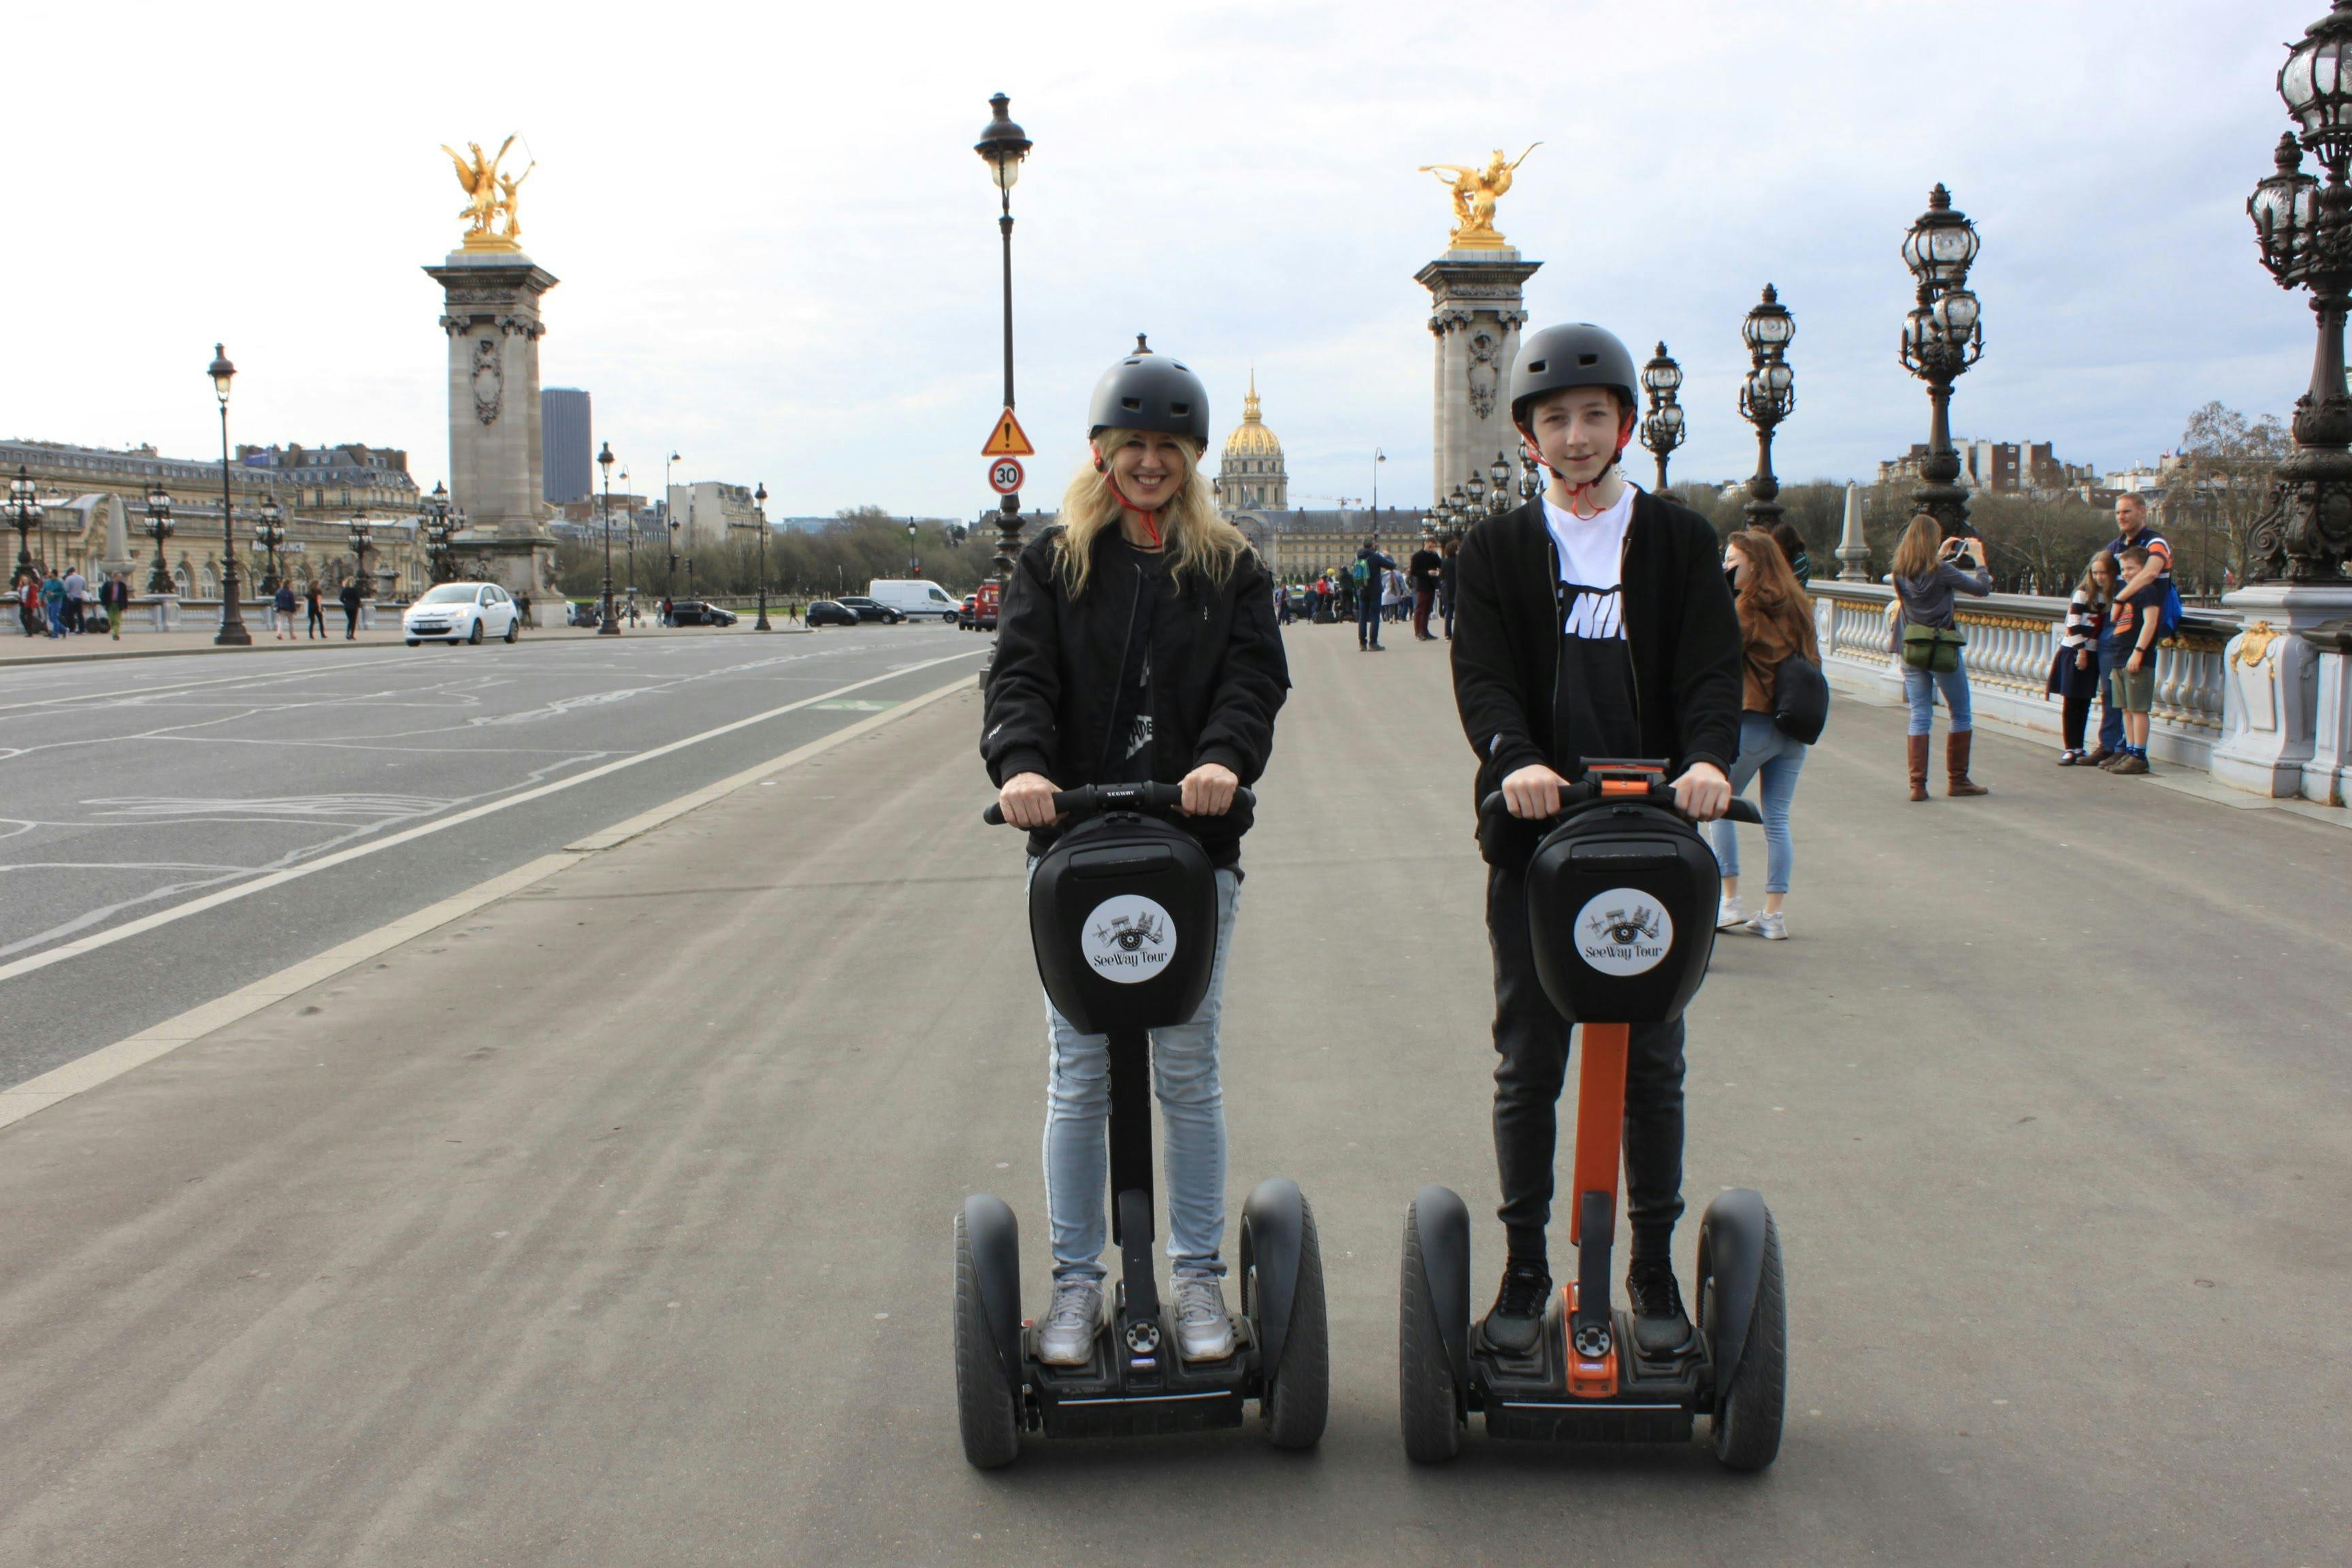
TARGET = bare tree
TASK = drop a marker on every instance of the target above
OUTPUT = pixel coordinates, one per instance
(2222, 479)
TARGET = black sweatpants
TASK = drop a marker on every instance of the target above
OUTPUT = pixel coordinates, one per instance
(1532, 1039)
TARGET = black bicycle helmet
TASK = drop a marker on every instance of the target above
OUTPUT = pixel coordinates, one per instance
(1146, 391)
(1577, 353)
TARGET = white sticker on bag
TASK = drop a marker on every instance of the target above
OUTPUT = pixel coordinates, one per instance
(1623, 931)
(1128, 939)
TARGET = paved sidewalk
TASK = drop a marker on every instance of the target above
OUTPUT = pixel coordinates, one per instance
(611, 1223)
(161, 645)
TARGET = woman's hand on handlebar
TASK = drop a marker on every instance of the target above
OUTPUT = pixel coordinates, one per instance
(1209, 790)
(1703, 793)
(1532, 793)
(1027, 800)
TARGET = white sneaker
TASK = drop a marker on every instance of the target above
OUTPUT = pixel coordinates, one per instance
(1772, 926)
(1203, 1331)
(1066, 1338)
(1728, 914)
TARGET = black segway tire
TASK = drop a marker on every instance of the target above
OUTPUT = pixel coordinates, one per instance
(1748, 1415)
(984, 1408)
(1299, 1394)
(1427, 1398)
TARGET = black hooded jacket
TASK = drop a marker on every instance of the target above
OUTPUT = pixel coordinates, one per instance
(1218, 674)
(1682, 634)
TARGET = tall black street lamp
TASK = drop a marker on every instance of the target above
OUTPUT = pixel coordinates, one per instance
(2304, 230)
(232, 628)
(268, 534)
(606, 626)
(25, 514)
(627, 496)
(159, 523)
(363, 541)
(1661, 428)
(914, 562)
(441, 522)
(1767, 397)
(1003, 145)
(760, 511)
(1941, 338)
(669, 527)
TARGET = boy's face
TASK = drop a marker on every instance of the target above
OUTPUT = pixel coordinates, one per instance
(1577, 432)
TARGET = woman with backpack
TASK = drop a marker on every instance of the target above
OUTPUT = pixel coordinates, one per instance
(1776, 624)
(1926, 577)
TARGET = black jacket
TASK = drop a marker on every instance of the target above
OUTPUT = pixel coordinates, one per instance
(1218, 674)
(1681, 632)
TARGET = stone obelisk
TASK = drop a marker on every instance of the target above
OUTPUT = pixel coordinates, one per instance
(1477, 311)
(491, 316)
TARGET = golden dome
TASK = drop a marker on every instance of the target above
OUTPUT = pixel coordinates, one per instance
(1251, 438)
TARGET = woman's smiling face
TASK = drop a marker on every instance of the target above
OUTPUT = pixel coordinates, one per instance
(1148, 468)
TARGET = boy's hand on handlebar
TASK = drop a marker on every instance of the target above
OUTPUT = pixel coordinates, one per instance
(1703, 793)
(1209, 790)
(1027, 800)
(1532, 793)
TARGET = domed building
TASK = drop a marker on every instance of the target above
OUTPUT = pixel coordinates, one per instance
(1251, 477)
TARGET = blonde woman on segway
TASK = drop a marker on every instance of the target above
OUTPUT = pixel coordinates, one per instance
(1138, 644)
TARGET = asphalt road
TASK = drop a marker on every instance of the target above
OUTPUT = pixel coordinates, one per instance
(2047, 1090)
(128, 788)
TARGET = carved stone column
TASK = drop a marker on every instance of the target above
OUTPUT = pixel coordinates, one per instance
(1477, 311)
(492, 320)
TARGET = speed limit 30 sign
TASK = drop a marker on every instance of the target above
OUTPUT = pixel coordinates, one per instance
(1004, 476)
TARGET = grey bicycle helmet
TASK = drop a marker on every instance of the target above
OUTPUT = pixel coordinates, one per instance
(1577, 353)
(1146, 391)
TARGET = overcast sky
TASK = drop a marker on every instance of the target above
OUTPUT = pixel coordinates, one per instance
(779, 253)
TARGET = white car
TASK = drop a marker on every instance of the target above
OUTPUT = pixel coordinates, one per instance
(463, 612)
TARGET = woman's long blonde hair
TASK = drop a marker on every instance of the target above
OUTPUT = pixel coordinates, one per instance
(1194, 537)
(1917, 556)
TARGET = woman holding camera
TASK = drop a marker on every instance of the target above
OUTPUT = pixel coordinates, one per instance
(1930, 572)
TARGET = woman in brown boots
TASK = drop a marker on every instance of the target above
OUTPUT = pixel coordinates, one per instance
(1927, 576)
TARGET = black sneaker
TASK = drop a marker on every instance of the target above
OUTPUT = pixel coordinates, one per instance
(1660, 1325)
(1517, 1315)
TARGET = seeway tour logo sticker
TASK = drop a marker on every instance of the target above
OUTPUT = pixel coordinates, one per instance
(1129, 938)
(1623, 931)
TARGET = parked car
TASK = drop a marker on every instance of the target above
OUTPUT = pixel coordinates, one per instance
(983, 607)
(584, 613)
(697, 613)
(966, 616)
(917, 598)
(826, 613)
(870, 609)
(463, 612)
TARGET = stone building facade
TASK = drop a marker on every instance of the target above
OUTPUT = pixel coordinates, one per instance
(1298, 546)
(1251, 474)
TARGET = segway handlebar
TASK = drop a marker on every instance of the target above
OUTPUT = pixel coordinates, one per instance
(1093, 800)
(1657, 791)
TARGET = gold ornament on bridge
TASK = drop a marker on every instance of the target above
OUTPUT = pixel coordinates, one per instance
(1475, 193)
(490, 197)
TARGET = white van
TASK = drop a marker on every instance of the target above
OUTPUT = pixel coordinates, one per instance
(917, 598)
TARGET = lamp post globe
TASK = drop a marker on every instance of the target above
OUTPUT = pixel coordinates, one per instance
(1767, 397)
(1943, 335)
(1661, 426)
(233, 633)
(1002, 146)
(760, 510)
(607, 626)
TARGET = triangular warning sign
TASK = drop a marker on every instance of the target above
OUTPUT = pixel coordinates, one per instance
(1008, 440)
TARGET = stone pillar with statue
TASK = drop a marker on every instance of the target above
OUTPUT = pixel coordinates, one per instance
(1475, 315)
(491, 316)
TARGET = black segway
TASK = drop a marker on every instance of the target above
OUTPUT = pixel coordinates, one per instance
(1123, 917)
(1620, 903)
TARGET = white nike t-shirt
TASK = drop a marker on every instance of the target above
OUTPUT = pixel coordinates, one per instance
(1592, 549)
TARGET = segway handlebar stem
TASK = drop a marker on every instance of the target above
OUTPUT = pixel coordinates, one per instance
(1095, 800)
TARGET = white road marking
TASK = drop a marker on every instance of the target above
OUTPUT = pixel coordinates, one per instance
(91, 944)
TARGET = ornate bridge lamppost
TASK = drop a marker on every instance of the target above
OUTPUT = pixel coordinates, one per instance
(363, 541)
(1767, 397)
(268, 535)
(442, 522)
(1002, 145)
(159, 526)
(1498, 486)
(25, 514)
(1941, 338)
(606, 626)
(232, 628)
(1661, 428)
(760, 511)
(2304, 230)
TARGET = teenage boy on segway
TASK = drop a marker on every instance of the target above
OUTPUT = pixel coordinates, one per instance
(1138, 644)
(1593, 621)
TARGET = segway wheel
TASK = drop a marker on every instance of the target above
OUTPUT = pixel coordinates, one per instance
(1428, 1400)
(1747, 1420)
(984, 1407)
(1298, 1398)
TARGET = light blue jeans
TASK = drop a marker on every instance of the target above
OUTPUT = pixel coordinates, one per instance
(1777, 759)
(1192, 1122)
(1920, 687)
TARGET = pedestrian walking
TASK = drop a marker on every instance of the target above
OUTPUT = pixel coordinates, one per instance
(350, 600)
(1138, 644)
(1371, 569)
(114, 596)
(1282, 603)
(1792, 549)
(1776, 625)
(29, 604)
(1449, 558)
(1425, 571)
(2137, 625)
(1928, 573)
(53, 604)
(315, 626)
(77, 589)
(282, 612)
(2082, 654)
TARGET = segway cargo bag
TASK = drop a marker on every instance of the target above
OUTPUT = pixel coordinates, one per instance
(1620, 908)
(1123, 919)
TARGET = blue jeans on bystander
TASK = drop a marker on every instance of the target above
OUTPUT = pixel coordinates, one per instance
(1919, 688)
(1767, 755)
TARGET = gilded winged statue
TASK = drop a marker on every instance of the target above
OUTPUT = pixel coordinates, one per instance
(1475, 193)
(487, 197)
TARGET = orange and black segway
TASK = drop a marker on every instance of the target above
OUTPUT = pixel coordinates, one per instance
(1621, 903)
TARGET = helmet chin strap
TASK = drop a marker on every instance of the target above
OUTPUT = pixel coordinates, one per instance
(1147, 517)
